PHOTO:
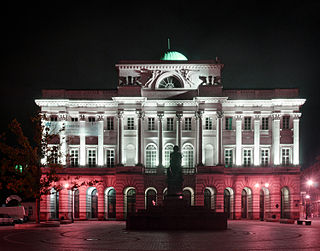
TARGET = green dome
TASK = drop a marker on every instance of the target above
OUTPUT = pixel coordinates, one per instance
(173, 56)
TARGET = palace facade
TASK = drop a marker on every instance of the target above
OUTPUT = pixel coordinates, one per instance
(240, 147)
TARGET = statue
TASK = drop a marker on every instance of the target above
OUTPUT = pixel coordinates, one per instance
(174, 174)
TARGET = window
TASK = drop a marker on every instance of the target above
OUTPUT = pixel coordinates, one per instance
(169, 124)
(208, 123)
(110, 126)
(228, 161)
(228, 123)
(73, 119)
(285, 152)
(151, 124)
(187, 156)
(265, 124)
(187, 124)
(74, 157)
(110, 157)
(53, 155)
(265, 157)
(247, 123)
(247, 153)
(91, 119)
(167, 151)
(130, 123)
(285, 122)
(151, 156)
(53, 118)
(91, 157)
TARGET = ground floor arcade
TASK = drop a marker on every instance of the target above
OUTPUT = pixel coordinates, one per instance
(243, 193)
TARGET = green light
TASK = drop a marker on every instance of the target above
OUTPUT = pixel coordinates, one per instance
(173, 56)
(18, 168)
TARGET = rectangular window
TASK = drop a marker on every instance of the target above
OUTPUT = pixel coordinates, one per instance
(265, 157)
(247, 156)
(91, 119)
(91, 158)
(187, 124)
(228, 123)
(130, 123)
(285, 152)
(208, 123)
(74, 157)
(151, 124)
(265, 124)
(169, 124)
(247, 123)
(53, 155)
(110, 126)
(228, 158)
(110, 157)
(73, 119)
(285, 122)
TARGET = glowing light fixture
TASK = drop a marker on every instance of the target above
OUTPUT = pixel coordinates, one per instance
(66, 185)
(256, 185)
(309, 182)
(307, 196)
(266, 184)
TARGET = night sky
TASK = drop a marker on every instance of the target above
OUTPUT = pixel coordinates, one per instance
(75, 46)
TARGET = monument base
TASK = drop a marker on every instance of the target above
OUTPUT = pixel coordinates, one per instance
(175, 214)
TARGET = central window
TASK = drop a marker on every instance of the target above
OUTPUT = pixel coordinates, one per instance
(169, 124)
(170, 82)
(151, 124)
(91, 155)
(167, 151)
(247, 155)
(130, 123)
(151, 156)
(187, 156)
(187, 124)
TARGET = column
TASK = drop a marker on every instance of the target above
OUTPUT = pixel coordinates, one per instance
(82, 157)
(199, 135)
(256, 150)
(296, 153)
(63, 140)
(160, 144)
(120, 118)
(139, 140)
(238, 140)
(178, 131)
(276, 138)
(219, 137)
(100, 140)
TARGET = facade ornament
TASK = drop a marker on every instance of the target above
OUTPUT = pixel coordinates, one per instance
(296, 115)
(257, 116)
(100, 117)
(140, 114)
(160, 115)
(82, 117)
(276, 116)
(199, 114)
(179, 115)
(220, 114)
(238, 116)
(120, 114)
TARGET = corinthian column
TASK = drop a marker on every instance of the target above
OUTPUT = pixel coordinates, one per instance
(238, 139)
(199, 135)
(63, 140)
(219, 136)
(120, 117)
(256, 152)
(140, 118)
(296, 117)
(178, 138)
(82, 140)
(160, 117)
(276, 138)
(100, 140)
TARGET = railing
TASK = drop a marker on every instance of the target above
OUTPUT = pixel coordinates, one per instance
(155, 170)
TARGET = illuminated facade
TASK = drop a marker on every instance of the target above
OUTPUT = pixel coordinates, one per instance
(240, 147)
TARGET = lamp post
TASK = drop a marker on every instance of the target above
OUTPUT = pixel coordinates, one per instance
(307, 198)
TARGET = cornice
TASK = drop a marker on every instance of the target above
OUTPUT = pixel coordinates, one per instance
(74, 103)
(263, 102)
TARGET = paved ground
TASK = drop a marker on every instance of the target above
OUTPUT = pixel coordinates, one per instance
(241, 235)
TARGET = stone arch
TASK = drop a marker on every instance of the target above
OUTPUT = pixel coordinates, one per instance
(54, 204)
(110, 203)
(229, 202)
(210, 197)
(264, 203)
(150, 197)
(188, 194)
(285, 203)
(129, 200)
(246, 203)
(166, 75)
(92, 203)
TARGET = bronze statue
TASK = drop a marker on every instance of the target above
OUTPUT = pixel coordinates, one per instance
(174, 174)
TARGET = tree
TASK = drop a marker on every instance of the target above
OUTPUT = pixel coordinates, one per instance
(21, 169)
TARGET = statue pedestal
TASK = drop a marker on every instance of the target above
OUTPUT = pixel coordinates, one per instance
(175, 214)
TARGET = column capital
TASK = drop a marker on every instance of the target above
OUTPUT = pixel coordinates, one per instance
(220, 114)
(179, 115)
(199, 114)
(238, 117)
(296, 116)
(82, 117)
(160, 115)
(276, 116)
(100, 117)
(140, 113)
(120, 114)
(62, 116)
(257, 117)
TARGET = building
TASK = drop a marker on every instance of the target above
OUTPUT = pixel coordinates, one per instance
(240, 147)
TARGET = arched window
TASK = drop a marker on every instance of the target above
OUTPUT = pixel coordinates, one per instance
(76, 204)
(170, 82)
(228, 202)
(151, 198)
(151, 156)
(54, 204)
(130, 202)
(187, 156)
(187, 196)
(210, 198)
(94, 204)
(111, 200)
(167, 151)
(285, 203)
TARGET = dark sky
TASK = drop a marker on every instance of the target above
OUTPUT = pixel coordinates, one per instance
(75, 45)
